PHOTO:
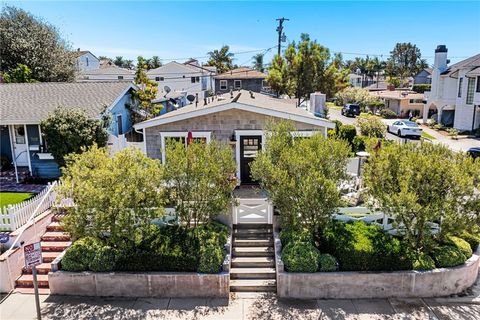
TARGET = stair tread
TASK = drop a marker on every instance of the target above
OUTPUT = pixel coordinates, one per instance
(253, 282)
(55, 243)
(253, 240)
(252, 259)
(253, 249)
(50, 254)
(45, 265)
(29, 277)
(60, 234)
(252, 270)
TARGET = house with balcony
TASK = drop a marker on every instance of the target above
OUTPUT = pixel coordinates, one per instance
(455, 91)
(24, 105)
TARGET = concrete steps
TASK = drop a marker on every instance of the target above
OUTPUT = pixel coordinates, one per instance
(56, 246)
(55, 227)
(55, 236)
(43, 268)
(253, 259)
(50, 256)
(26, 281)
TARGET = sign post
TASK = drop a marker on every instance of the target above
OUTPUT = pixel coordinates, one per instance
(33, 257)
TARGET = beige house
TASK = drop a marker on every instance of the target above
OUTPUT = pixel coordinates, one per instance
(402, 102)
(237, 119)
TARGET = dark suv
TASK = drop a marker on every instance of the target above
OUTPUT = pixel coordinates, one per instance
(351, 110)
(474, 152)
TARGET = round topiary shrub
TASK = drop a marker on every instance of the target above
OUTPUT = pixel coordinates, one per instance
(290, 234)
(472, 239)
(423, 262)
(211, 258)
(448, 256)
(80, 254)
(104, 260)
(300, 257)
(328, 263)
(460, 244)
(388, 114)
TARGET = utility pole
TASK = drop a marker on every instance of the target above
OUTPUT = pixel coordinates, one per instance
(281, 34)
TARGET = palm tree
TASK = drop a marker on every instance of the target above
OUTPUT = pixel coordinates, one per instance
(155, 62)
(222, 59)
(258, 62)
(119, 62)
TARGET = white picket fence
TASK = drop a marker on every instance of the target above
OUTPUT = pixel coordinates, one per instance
(13, 217)
(381, 219)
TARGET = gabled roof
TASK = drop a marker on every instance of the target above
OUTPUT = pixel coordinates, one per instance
(109, 70)
(29, 103)
(242, 73)
(80, 53)
(471, 62)
(242, 100)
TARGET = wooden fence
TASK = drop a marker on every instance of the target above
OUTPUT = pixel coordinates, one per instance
(14, 216)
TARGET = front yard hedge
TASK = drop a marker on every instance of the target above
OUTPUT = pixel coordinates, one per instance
(448, 256)
(301, 257)
(461, 245)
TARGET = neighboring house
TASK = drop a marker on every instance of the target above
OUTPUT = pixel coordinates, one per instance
(187, 77)
(238, 119)
(423, 77)
(241, 79)
(24, 105)
(85, 61)
(171, 101)
(455, 91)
(355, 80)
(107, 73)
(402, 102)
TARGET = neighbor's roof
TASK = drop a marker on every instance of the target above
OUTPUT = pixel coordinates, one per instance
(29, 103)
(242, 73)
(398, 95)
(79, 53)
(471, 62)
(241, 100)
(109, 70)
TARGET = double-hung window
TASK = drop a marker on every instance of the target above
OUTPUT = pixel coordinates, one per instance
(460, 83)
(181, 136)
(237, 84)
(470, 90)
(223, 84)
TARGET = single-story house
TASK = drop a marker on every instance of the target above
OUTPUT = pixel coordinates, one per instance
(241, 79)
(24, 105)
(236, 118)
(403, 102)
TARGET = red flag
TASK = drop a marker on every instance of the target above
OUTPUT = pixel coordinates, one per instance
(189, 137)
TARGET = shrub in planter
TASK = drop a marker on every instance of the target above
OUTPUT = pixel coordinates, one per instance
(448, 256)
(290, 234)
(300, 257)
(80, 254)
(104, 260)
(460, 244)
(423, 262)
(211, 258)
(472, 239)
(328, 263)
(388, 114)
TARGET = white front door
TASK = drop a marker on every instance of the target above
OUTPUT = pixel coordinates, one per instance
(20, 145)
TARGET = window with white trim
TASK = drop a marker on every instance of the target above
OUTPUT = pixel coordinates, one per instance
(159, 78)
(198, 136)
(223, 84)
(237, 84)
(470, 90)
(460, 83)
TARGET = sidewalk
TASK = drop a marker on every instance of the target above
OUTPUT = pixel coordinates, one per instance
(462, 144)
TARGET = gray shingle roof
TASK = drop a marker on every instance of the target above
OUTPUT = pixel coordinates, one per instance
(471, 62)
(32, 102)
(110, 70)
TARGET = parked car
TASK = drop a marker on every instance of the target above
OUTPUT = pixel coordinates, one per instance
(474, 152)
(351, 110)
(405, 128)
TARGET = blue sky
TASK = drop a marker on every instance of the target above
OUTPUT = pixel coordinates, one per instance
(174, 30)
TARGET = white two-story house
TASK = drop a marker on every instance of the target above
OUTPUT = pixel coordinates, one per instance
(189, 77)
(455, 91)
(85, 61)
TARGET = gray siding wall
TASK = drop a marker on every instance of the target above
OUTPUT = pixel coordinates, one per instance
(254, 85)
(221, 124)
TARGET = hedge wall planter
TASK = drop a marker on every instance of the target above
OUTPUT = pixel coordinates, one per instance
(149, 284)
(356, 285)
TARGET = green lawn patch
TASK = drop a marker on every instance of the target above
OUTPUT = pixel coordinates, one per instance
(7, 198)
(427, 136)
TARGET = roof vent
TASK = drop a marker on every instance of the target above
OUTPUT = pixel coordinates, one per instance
(251, 94)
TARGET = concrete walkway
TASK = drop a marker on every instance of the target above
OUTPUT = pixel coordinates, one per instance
(22, 306)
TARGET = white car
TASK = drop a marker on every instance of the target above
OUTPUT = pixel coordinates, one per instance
(405, 128)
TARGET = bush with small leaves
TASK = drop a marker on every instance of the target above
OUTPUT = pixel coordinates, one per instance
(328, 263)
(211, 258)
(290, 234)
(80, 254)
(423, 262)
(473, 239)
(448, 256)
(301, 257)
(388, 114)
(347, 132)
(460, 244)
(104, 260)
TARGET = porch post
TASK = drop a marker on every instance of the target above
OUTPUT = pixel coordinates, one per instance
(237, 154)
(14, 156)
(28, 150)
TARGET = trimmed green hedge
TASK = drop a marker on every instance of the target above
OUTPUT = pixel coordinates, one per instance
(460, 244)
(300, 257)
(362, 247)
(80, 254)
(347, 132)
(423, 262)
(288, 235)
(328, 263)
(388, 114)
(448, 256)
(472, 239)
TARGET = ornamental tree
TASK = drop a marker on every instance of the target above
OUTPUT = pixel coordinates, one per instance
(417, 184)
(301, 175)
(200, 178)
(371, 126)
(69, 130)
(115, 197)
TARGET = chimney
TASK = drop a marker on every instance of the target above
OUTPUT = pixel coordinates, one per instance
(440, 61)
(317, 103)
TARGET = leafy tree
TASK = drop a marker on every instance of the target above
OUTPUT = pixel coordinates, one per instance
(258, 62)
(222, 59)
(119, 61)
(405, 61)
(355, 95)
(70, 131)
(154, 62)
(35, 43)
(416, 184)
(21, 74)
(301, 175)
(277, 77)
(200, 177)
(371, 126)
(115, 197)
(147, 90)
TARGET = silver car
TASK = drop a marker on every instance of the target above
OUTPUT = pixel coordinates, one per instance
(405, 128)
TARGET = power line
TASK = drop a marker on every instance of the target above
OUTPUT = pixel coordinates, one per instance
(207, 56)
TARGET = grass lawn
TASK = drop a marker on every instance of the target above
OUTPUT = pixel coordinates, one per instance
(427, 136)
(7, 198)
(332, 105)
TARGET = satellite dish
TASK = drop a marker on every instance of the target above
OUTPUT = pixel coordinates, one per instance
(191, 98)
(167, 89)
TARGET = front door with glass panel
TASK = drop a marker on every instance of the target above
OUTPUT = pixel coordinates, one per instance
(249, 147)
(20, 145)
